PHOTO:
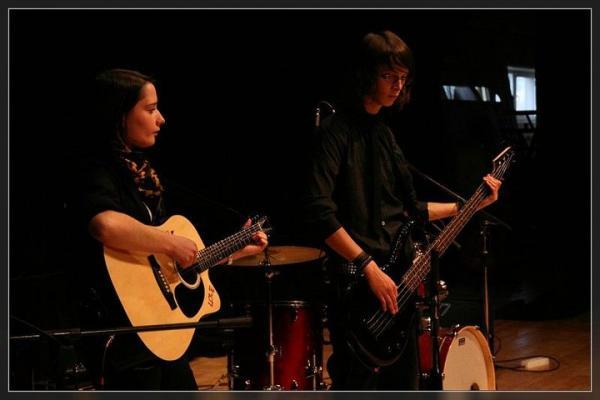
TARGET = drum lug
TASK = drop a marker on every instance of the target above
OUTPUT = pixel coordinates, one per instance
(312, 370)
(247, 384)
(235, 369)
(455, 329)
(294, 313)
(442, 289)
(425, 325)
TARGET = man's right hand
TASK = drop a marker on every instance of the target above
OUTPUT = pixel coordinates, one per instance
(383, 287)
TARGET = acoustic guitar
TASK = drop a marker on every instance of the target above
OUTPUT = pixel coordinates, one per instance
(153, 289)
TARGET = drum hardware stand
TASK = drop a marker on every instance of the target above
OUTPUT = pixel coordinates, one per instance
(314, 371)
(488, 322)
(269, 273)
(435, 379)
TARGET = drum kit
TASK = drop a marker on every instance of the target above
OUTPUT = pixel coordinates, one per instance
(283, 350)
(462, 359)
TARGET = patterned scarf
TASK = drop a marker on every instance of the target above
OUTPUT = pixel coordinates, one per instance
(145, 178)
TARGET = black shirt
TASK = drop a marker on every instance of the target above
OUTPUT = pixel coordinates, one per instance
(359, 180)
(99, 185)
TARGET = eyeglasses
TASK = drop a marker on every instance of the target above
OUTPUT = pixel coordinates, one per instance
(393, 78)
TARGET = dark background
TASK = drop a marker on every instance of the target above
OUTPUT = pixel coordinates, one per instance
(238, 89)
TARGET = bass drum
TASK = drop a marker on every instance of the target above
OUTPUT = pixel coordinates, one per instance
(465, 359)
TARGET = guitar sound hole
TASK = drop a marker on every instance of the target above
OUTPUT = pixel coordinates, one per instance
(189, 275)
(189, 300)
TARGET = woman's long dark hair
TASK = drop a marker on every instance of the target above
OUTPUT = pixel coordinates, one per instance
(116, 92)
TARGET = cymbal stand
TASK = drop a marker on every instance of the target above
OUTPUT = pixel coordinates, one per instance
(489, 326)
(271, 350)
(436, 373)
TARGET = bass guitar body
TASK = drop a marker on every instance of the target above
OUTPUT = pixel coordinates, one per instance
(376, 337)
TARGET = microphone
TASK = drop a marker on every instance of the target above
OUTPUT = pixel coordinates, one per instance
(318, 111)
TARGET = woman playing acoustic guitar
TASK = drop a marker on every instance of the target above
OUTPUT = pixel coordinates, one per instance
(118, 202)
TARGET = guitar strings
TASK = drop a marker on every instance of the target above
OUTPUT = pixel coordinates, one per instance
(410, 281)
(209, 256)
(415, 275)
(441, 245)
(222, 245)
(418, 273)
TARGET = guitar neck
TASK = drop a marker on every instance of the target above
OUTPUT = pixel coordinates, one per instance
(456, 225)
(420, 268)
(211, 255)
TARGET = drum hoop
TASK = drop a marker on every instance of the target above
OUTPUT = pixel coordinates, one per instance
(483, 345)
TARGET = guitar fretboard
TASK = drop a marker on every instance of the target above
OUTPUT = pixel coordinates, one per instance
(211, 255)
(421, 267)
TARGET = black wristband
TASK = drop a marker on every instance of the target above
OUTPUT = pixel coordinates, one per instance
(365, 263)
(361, 261)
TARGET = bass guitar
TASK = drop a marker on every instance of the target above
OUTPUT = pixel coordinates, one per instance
(153, 289)
(378, 338)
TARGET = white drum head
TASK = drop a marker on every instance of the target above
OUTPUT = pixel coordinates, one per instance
(469, 364)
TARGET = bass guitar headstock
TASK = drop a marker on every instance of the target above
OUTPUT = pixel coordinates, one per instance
(502, 162)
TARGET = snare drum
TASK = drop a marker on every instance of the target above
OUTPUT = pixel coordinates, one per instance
(298, 349)
(465, 359)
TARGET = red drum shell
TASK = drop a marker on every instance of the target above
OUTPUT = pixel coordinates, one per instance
(298, 343)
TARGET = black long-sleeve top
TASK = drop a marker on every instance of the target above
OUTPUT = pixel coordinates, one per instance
(359, 180)
(102, 184)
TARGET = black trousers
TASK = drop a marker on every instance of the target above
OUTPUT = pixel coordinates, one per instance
(152, 375)
(128, 365)
(347, 372)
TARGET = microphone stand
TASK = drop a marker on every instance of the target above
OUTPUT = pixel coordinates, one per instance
(69, 371)
(488, 220)
(225, 323)
(225, 207)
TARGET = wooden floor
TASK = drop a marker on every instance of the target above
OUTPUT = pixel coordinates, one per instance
(566, 340)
